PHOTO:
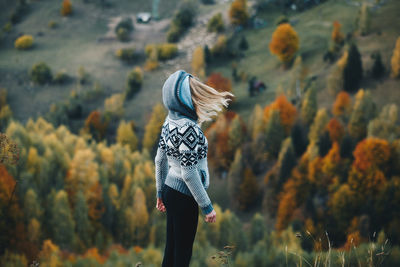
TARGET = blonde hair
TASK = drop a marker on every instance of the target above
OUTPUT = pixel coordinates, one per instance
(206, 100)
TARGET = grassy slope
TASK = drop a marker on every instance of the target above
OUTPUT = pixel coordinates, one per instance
(314, 28)
(71, 45)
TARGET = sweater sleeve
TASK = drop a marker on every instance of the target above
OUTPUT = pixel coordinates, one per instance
(161, 165)
(189, 162)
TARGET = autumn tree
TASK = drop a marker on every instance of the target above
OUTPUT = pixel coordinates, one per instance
(309, 105)
(385, 125)
(198, 62)
(343, 204)
(96, 125)
(337, 36)
(219, 82)
(236, 134)
(395, 61)
(66, 8)
(238, 13)
(114, 106)
(336, 130)
(32, 207)
(318, 126)
(286, 110)
(126, 135)
(353, 71)
(335, 78)
(140, 214)
(342, 105)
(363, 112)
(364, 19)
(62, 221)
(256, 123)
(284, 42)
(153, 127)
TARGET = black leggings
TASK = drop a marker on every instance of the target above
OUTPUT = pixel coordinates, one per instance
(182, 219)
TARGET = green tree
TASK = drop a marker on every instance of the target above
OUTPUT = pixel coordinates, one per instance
(257, 228)
(363, 111)
(81, 217)
(62, 222)
(274, 133)
(32, 207)
(309, 105)
(235, 134)
(235, 176)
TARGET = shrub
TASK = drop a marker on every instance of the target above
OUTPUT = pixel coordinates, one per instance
(114, 106)
(167, 51)
(220, 47)
(52, 24)
(41, 73)
(161, 51)
(126, 54)
(216, 23)
(7, 27)
(151, 65)
(134, 82)
(61, 77)
(24, 42)
(238, 12)
(173, 34)
(281, 19)
(66, 8)
(124, 28)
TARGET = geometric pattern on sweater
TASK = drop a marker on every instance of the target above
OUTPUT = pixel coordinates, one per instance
(187, 145)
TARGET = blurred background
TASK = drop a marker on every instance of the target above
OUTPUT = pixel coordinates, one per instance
(304, 164)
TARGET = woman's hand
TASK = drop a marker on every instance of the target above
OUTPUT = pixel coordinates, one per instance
(160, 205)
(211, 217)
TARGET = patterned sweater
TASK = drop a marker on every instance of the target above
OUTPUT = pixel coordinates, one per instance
(181, 160)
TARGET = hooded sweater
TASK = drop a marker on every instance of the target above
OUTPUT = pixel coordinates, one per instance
(181, 159)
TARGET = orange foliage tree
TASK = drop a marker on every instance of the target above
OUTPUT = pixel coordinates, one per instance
(66, 8)
(342, 105)
(220, 83)
(371, 158)
(337, 36)
(96, 125)
(238, 12)
(335, 129)
(284, 42)
(287, 112)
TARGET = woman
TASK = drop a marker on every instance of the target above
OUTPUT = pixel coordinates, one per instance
(181, 162)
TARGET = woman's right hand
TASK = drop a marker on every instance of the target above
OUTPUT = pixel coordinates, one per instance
(211, 217)
(160, 205)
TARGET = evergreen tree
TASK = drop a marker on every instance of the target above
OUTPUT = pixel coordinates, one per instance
(62, 222)
(81, 218)
(318, 127)
(248, 190)
(257, 228)
(353, 71)
(286, 160)
(299, 138)
(346, 147)
(235, 134)
(243, 44)
(32, 207)
(378, 69)
(324, 144)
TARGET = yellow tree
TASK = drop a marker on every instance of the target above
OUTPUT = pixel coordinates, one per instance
(198, 62)
(153, 127)
(395, 61)
(342, 105)
(126, 135)
(238, 12)
(284, 42)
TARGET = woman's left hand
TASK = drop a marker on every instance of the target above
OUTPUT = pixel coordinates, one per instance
(160, 205)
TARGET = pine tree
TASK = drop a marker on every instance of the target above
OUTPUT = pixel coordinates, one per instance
(378, 69)
(236, 134)
(318, 127)
(353, 71)
(243, 44)
(257, 228)
(299, 138)
(32, 207)
(248, 190)
(286, 160)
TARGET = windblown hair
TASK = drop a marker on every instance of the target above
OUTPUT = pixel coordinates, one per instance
(206, 100)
